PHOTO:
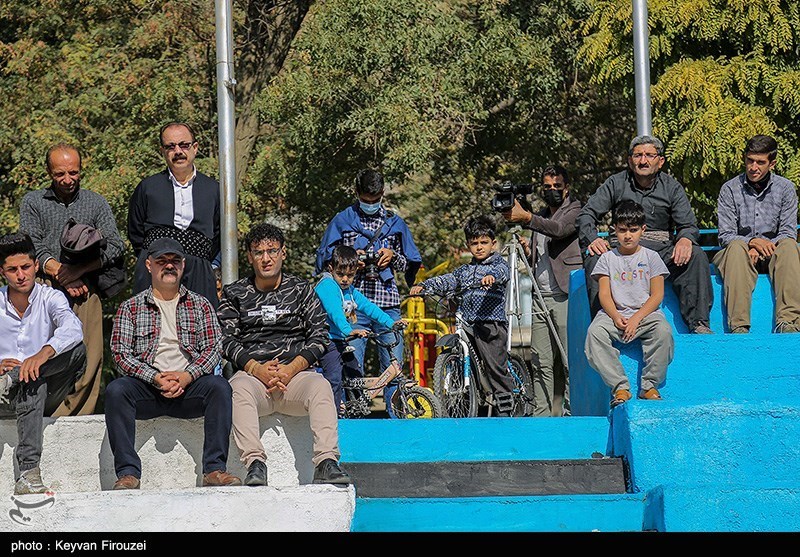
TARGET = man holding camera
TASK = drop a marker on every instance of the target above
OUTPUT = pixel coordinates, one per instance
(554, 254)
(385, 246)
(671, 229)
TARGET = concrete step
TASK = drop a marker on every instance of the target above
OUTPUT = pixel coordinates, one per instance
(307, 508)
(552, 513)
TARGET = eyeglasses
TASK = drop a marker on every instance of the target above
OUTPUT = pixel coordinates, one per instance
(648, 156)
(184, 145)
(271, 253)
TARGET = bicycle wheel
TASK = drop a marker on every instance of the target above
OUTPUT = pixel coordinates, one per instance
(420, 402)
(523, 386)
(458, 397)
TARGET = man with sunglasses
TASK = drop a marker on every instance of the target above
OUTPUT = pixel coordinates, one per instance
(179, 203)
(671, 229)
(554, 254)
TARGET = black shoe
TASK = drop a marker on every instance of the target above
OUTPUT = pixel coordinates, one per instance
(256, 474)
(328, 472)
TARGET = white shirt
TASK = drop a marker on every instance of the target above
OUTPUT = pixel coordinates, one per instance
(184, 204)
(48, 320)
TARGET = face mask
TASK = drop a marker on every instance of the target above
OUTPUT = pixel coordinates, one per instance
(553, 198)
(370, 208)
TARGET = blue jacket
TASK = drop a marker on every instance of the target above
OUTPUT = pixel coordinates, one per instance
(339, 303)
(348, 220)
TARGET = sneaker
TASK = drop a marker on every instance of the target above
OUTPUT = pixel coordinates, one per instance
(784, 327)
(328, 472)
(741, 329)
(30, 481)
(256, 474)
(620, 396)
(220, 478)
(650, 394)
(5, 386)
(702, 329)
(126, 482)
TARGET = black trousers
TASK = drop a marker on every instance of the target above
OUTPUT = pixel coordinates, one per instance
(490, 339)
(691, 282)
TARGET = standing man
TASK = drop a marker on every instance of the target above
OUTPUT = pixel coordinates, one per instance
(757, 223)
(41, 350)
(671, 229)
(43, 216)
(555, 254)
(165, 342)
(385, 244)
(179, 203)
(274, 330)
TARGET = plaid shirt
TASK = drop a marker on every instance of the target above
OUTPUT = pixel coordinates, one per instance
(382, 294)
(137, 328)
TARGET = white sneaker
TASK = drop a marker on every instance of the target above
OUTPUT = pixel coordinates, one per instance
(30, 481)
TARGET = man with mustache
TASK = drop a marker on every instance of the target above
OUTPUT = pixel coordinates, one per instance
(166, 344)
(671, 229)
(179, 203)
(100, 274)
(41, 350)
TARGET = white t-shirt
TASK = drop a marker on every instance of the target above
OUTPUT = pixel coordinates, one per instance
(630, 277)
(169, 354)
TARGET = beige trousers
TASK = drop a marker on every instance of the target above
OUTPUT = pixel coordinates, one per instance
(739, 277)
(307, 394)
(87, 389)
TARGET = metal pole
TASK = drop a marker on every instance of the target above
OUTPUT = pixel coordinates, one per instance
(227, 126)
(641, 67)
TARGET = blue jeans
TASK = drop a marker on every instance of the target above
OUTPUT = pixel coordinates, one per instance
(386, 335)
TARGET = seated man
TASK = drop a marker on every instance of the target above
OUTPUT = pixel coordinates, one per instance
(274, 329)
(165, 342)
(757, 222)
(41, 345)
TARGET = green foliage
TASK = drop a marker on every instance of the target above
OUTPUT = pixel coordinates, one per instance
(722, 71)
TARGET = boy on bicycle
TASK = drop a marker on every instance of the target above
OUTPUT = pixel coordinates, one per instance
(481, 285)
(340, 299)
(631, 281)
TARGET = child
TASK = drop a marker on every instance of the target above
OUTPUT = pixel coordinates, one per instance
(482, 282)
(631, 280)
(340, 300)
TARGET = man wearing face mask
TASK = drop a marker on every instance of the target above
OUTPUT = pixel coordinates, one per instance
(179, 203)
(554, 254)
(385, 244)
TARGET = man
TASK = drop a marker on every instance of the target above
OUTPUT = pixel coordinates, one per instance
(43, 215)
(370, 228)
(757, 223)
(671, 229)
(41, 349)
(274, 330)
(179, 203)
(165, 342)
(555, 254)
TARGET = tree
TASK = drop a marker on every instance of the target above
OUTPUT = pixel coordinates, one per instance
(722, 72)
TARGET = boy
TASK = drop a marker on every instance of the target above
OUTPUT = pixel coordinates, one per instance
(42, 352)
(340, 300)
(481, 282)
(631, 282)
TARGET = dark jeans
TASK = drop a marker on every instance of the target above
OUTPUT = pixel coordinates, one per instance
(386, 335)
(34, 399)
(336, 364)
(691, 282)
(129, 399)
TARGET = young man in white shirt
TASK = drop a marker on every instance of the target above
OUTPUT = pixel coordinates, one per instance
(42, 351)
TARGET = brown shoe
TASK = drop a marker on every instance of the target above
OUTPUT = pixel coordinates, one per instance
(650, 394)
(620, 396)
(220, 478)
(127, 482)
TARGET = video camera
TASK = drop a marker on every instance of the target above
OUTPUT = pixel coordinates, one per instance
(370, 259)
(507, 192)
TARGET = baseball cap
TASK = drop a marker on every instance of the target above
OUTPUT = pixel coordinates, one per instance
(163, 246)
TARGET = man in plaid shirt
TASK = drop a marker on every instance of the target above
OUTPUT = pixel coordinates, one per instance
(166, 344)
(368, 226)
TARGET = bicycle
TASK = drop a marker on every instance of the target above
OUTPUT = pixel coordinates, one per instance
(460, 380)
(408, 401)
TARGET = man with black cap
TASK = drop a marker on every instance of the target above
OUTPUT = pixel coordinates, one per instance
(166, 343)
(84, 276)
